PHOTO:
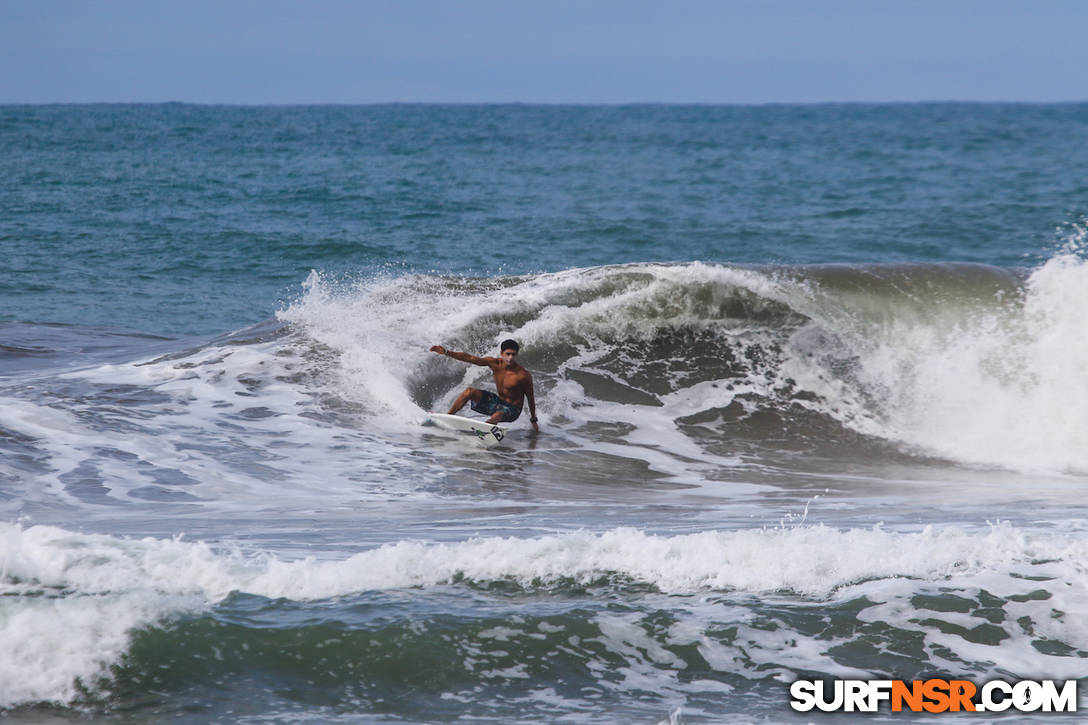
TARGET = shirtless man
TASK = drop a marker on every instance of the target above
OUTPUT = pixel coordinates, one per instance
(513, 382)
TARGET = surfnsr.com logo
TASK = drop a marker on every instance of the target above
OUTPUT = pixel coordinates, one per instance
(933, 695)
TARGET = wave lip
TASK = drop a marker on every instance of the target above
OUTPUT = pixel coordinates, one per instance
(969, 363)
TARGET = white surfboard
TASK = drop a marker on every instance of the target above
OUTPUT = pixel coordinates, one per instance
(487, 434)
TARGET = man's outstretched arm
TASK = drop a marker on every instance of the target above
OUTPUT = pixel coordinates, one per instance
(463, 356)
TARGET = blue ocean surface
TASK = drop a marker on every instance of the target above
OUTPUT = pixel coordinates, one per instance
(811, 385)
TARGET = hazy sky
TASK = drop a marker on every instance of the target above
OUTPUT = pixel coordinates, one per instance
(728, 51)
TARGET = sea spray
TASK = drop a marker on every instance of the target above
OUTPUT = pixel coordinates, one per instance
(967, 362)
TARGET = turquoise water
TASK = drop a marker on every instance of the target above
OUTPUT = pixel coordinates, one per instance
(181, 219)
(810, 380)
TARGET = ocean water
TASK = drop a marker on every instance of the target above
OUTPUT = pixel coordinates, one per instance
(812, 382)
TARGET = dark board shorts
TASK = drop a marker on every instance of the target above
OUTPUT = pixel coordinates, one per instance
(489, 403)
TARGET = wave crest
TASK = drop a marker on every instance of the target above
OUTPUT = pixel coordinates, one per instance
(972, 363)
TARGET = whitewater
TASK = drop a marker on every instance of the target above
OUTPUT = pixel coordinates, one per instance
(810, 384)
(718, 388)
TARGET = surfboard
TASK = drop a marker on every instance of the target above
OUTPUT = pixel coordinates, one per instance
(487, 434)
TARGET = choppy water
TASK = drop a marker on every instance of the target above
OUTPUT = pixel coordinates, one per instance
(811, 384)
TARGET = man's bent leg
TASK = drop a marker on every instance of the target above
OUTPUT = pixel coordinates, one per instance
(469, 394)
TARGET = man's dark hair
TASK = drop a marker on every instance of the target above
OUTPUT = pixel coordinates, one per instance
(509, 345)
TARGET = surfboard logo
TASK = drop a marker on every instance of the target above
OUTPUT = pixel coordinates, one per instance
(484, 432)
(495, 431)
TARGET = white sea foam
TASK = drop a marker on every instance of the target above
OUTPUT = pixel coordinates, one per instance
(381, 331)
(993, 381)
(234, 425)
(997, 383)
(82, 594)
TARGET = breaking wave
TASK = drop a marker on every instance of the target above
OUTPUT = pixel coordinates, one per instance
(971, 363)
(85, 616)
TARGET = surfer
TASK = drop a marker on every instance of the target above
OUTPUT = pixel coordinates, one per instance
(513, 382)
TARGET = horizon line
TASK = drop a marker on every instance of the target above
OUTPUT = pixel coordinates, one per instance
(613, 104)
